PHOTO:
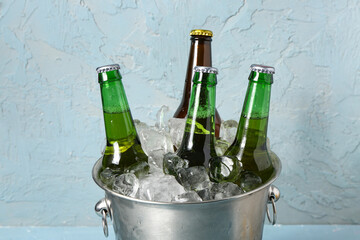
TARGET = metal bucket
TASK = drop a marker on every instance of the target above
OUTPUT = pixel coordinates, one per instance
(238, 217)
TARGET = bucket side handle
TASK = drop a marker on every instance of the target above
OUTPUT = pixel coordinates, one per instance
(273, 196)
(102, 208)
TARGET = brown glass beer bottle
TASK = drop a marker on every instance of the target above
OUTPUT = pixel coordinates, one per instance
(200, 55)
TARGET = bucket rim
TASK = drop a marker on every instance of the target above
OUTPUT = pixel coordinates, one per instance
(276, 162)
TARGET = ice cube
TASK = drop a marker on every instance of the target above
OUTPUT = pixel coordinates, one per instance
(156, 157)
(224, 190)
(107, 176)
(154, 168)
(228, 130)
(172, 163)
(153, 139)
(187, 197)
(221, 146)
(159, 187)
(162, 117)
(177, 127)
(126, 184)
(140, 169)
(140, 126)
(205, 194)
(155, 143)
(224, 169)
(193, 178)
(249, 181)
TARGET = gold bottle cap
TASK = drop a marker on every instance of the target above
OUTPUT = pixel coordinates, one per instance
(201, 32)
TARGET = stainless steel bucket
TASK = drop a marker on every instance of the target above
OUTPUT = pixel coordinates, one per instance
(238, 217)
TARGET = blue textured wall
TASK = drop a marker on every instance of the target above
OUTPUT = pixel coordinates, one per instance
(51, 128)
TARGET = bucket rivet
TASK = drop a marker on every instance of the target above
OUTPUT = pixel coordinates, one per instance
(273, 196)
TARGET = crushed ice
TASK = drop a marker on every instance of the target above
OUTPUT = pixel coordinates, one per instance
(185, 184)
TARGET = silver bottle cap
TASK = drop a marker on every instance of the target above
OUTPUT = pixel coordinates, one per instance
(262, 69)
(206, 69)
(108, 68)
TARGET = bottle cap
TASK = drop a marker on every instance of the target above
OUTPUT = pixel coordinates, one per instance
(108, 68)
(262, 69)
(201, 32)
(206, 69)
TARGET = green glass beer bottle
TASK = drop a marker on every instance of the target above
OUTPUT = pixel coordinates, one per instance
(249, 145)
(198, 141)
(200, 55)
(123, 152)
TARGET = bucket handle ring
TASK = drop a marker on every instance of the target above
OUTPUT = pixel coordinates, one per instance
(102, 209)
(273, 196)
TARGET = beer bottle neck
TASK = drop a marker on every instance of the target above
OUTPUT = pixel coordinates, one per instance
(200, 53)
(112, 92)
(257, 100)
(255, 112)
(119, 125)
(200, 119)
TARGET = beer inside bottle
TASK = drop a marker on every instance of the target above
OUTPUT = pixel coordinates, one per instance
(123, 152)
(199, 55)
(249, 145)
(199, 136)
